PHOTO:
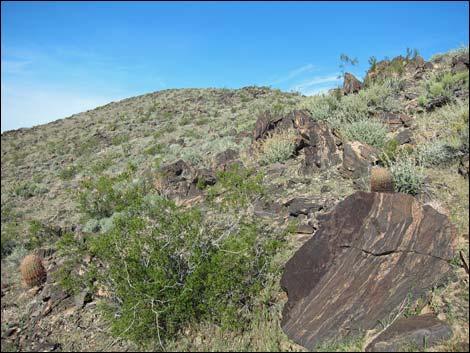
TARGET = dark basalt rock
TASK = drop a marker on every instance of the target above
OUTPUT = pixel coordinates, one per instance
(180, 181)
(405, 136)
(321, 151)
(420, 332)
(298, 206)
(351, 84)
(225, 159)
(436, 102)
(371, 253)
(358, 159)
(460, 63)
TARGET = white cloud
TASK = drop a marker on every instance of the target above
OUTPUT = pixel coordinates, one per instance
(292, 74)
(30, 106)
(309, 86)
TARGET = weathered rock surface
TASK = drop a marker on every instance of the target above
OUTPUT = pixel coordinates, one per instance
(420, 332)
(460, 63)
(225, 159)
(358, 159)
(299, 205)
(395, 120)
(182, 182)
(404, 136)
(436, 102)
(316, 139)
(351, 84)
(321, 150)
(369, 254)
(464, 166)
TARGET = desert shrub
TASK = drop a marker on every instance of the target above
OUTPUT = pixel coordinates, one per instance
(165, 267)
(119, 139)
(446, 58)
(448, 123)
(434, 153)
(238, 185)
(154, 149)
(68, 173)
(30, 189)
(40, 233)
(320, 106)
(369, 131)
(407, 176)
(389, 151)
(443, 83)
(9, 238)
(100, 197)
(277, 147)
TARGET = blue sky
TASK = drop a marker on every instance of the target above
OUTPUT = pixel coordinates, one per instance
(61, 58)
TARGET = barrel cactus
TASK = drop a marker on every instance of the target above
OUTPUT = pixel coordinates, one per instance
(381, 180)
(32, 270)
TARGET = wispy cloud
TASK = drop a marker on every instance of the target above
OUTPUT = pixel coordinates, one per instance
(313, 83)
(293, 74)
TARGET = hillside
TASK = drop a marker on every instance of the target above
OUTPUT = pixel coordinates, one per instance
(165, 221)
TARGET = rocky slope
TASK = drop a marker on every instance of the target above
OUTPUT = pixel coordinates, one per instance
(226, 186)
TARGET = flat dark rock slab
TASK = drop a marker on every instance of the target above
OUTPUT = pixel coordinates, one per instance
(418, 332)
(368, 256)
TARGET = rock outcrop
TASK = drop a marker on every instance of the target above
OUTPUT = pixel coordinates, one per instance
(351, 84)
(370, 255)
(181, 182)
(420, 331)
(315, 138)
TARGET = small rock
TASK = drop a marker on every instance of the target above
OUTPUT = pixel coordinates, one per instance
(82, 298)
(304, 206)
(403, 137)
(305, 229)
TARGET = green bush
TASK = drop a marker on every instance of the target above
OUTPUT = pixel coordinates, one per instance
(277, 147)
(238, 185)
(101, 196)
(165, 268)
(68, 173)
(369, 131)
(407, 176)
(434, 153)
(30, 189)
(444, 83)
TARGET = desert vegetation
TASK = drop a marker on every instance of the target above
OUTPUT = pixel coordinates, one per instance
(165, 220)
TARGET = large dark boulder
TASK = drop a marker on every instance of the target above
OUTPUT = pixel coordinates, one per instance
(321, 147)
(460, 63)
(420, 331)
(351, 84)
(371, 254)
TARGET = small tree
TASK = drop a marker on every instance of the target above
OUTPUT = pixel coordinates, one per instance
(345, 60)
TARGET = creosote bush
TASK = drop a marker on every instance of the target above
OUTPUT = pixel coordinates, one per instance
(165, 267)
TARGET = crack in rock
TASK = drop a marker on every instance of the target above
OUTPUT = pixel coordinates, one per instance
(389, 252)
